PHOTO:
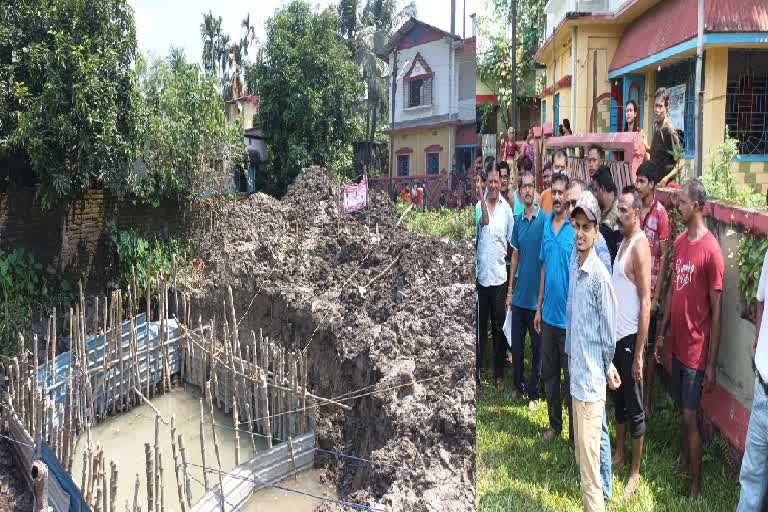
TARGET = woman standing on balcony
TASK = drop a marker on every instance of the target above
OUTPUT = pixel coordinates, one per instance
(631, 124)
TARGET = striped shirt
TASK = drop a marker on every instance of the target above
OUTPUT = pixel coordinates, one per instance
(601, 248)
(591, 327)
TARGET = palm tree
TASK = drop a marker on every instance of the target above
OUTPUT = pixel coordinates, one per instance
(176, 59)
(249, 35)
(364, 34)
(210, 33)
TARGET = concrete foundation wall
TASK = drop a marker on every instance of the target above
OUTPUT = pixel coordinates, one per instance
(263, 470)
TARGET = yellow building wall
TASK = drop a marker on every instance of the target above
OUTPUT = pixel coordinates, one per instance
(752, 174)
(589, 38)
(418, 140)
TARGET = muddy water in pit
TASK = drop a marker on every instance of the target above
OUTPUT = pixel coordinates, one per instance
(123, 437)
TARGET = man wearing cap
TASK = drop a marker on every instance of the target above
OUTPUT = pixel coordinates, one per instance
(572, 194)
(592, 333)
(754, 465)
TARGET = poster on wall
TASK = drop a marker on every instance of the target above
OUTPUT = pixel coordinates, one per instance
(489, 145)
(677, 106)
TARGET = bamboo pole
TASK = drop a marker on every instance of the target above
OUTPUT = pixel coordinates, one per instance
(187, 481)
(215, 442)
(267, 427)
(146, 332)
(103, 482)
(157, 462)
(304, 416)
(46, 361)
(33, 408)
(179, 485)
(236, 430)
(73, 328)
(202, 446)
(113, 486)
(14, 383)
(121, 353)
(150, 477)
(22, 375)
(175, 292)
(161, 480)
(136, 506)
(108, 306)
(53, 350)
(160, 353)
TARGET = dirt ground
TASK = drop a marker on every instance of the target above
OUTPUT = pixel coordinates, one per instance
(389, 314)
(14, 495)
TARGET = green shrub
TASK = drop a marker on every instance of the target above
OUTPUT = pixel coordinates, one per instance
(25, 286)
(445, 222)
(132, 253)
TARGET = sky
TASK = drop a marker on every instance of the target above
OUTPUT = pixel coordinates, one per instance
(166, 23)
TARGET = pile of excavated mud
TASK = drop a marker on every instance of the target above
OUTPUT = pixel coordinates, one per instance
(388, 313)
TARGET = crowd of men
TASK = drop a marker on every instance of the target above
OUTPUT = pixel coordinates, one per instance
(583, 284)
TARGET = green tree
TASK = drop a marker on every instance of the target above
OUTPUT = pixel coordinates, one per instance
(69, 100)
(188, 144)
(364, 34)
(210, 33)
(510, 82)
(308, 85)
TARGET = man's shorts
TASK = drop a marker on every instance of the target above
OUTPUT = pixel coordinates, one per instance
(687, 384)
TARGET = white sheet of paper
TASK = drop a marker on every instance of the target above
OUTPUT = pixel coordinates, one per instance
(508, 328)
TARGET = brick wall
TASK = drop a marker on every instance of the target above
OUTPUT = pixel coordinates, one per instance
(72, 237)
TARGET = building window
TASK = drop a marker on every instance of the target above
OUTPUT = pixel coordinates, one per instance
(543, 112)
(402, 165)
(746, 109)
(682, 77)
(433, 163)
(418, 92)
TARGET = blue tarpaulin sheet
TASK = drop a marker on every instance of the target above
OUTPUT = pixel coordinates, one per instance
(76, 501)
(95, 344)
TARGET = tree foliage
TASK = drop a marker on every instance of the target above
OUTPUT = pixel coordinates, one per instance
(218, 51)
(188, 141)
(364, 31)
(69, 100)
(308, 87)
(494, 63)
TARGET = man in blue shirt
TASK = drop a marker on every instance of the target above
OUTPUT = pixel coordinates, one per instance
(522, 294)
(556, 247)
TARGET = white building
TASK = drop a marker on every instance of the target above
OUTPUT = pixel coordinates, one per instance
(432, 121)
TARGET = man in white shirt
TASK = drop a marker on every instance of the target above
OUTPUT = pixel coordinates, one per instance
(494, 223)
(754, 466)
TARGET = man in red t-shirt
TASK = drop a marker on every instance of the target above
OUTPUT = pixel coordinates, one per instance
(655, 222)
(693, 313)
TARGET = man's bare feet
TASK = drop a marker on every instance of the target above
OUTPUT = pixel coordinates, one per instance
(695, 493)
(632, 484)
(500, 385)
(618, 459)
(681, 469)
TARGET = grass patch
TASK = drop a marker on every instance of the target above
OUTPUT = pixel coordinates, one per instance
(452, 223)
(517, 471)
